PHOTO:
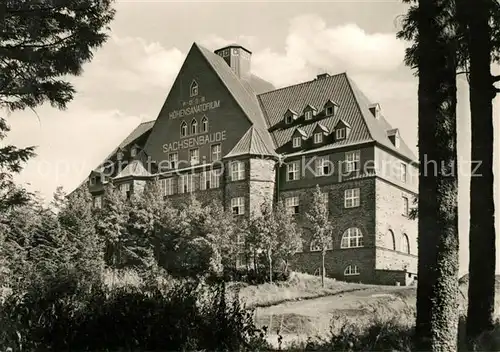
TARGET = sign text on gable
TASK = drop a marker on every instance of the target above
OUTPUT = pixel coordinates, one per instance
(191, 110)
(194, 141)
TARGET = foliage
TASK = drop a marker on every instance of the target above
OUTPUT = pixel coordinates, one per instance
(320, 226)
(42, 43)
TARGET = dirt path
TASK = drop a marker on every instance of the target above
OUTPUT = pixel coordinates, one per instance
(312, 317)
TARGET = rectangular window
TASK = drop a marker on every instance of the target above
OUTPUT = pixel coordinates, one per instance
(318, 138)
(308, 115)
(352, 161)
(216, 152)
(351, 198)
(240, 245)
(187, 183)
(322, 166)
(340, 133)
(237, 170)
(98, 202)
(194, 156)
(292, 171)
(292, 204)
(402, 172)
(406, 206)
(167, 186)
(325, 199)
(92, 180)
(205, 180)
(297, 141)
(214, 179)
(329, 111)
(238, 205)
(173, 158)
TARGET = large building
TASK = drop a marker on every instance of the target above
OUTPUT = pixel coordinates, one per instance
(227, 134)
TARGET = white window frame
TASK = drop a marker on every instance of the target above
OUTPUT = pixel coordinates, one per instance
(92, 180)
(214, 179)
(340, 133)
(204, 124)
(125, 188)
(403, 172)
(119, 156)
(308, 115)
(292, 204)
(352, 238)
(173, 159)
(352, 198)
(405, 244)
(289, 119)
(297, 142)
(329, 110)
(167, 185)
(315, 246)
(184, 129)
(98, 202)
(237, 170)
(292, 171)
(320, 164)
(209, 180)
(351, 270)
(406, 205)
(318, 137)
(238, 206)
(133, 152)
(216, 149)
(352, 159)
(193, 127)
(194, 156)
(186, 183)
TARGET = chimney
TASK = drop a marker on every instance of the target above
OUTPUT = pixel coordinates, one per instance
(238, 58)
(322, 75)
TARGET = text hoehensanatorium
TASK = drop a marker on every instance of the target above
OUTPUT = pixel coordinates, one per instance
(199, 140)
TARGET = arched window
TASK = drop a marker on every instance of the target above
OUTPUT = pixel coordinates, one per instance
(351, 270)
(193, 91)
(204, 124)
(405, 244)
(352, 238)
(194, 126)
(184, 129)
(391, 240)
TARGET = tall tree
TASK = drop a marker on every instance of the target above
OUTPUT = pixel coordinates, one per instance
(288, 236)
(320, 226)
(476, 18)
(432, 27)
(111, 221)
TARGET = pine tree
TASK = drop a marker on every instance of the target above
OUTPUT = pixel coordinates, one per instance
(111, 221)
(320, 226)
(77, 221)
(432, 27)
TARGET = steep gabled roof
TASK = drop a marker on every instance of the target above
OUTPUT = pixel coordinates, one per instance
(135, 168)
(246, 99)
(353, 110)
(252, 143)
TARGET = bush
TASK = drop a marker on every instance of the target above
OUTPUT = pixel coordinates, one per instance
(253, 277)
(188, 317)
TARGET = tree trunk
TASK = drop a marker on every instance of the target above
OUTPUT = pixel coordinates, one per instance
(270, 266)
(482, 211)
(323, 274)
(437, 292)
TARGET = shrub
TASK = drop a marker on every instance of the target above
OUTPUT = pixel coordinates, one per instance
(253, 277)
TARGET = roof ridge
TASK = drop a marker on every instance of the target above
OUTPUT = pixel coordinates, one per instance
(302, 83)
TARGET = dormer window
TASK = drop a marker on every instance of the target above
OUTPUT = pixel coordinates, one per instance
(290, 116)
(204, 124)
(119, 156)
(394, 137)
(308, 115)
(340, 133)
(184, 129)
(375, 110)
(92, 180)
(133, 152)
(318, 137)
(330, 108)
(297, 142)
(194, 126)
(193, 90)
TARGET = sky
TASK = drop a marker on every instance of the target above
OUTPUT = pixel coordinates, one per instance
(130, 77)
